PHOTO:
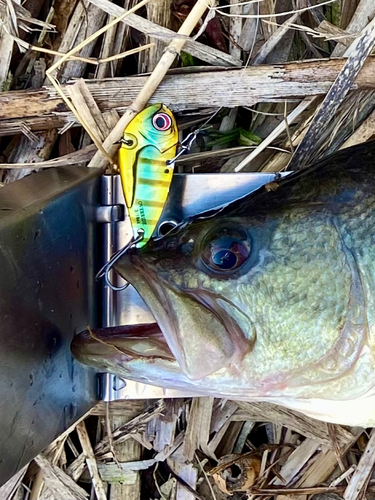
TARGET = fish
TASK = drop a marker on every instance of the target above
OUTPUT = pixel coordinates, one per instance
(268, 298)
(148, 146)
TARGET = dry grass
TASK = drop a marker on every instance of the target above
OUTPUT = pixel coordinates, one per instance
(203, 448)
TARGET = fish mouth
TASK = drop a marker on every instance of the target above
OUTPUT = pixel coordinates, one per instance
(127, 342)
(202, 337)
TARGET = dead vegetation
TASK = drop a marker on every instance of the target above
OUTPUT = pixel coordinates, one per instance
(279, 90)
(261, 71)
(201, 448)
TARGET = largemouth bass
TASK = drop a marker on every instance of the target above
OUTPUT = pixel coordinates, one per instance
(272, 298)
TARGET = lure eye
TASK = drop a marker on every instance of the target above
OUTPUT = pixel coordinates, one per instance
(227, 251)
(162, 122)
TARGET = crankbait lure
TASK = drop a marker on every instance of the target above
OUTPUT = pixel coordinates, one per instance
(148, 146)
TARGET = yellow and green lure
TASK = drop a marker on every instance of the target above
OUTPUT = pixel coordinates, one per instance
(149, 142)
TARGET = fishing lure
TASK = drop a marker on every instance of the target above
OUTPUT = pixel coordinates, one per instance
(146, 159)
(148, 146)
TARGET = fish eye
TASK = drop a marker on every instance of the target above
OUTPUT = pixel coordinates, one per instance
(226, 250)
(161, 122)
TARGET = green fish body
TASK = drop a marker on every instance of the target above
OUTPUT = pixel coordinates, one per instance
(271, 299)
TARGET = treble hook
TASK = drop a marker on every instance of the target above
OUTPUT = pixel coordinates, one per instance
(186, 144)
(105, 270)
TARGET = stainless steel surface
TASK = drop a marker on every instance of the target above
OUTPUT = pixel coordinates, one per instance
(110, 386)
(189, 195)
(112, 213)
(126, 307)
(114, 388)
(47, 260)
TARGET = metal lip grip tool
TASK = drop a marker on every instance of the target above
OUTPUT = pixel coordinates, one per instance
(56, 228)
(155, 202)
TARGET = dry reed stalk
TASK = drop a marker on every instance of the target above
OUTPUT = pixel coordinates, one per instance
(85, 21)
(331, 32)
(91, 461)
(56, 65)
(93, 37)
(270, 16)
(343, 476)
(250, 28)
(348, 8)
(127, 451)
(201, 51)
(274, 40)
(59, 483)
(156, 77)
(197, 432)
(359, 51)
(6, 50)
(296, 461)
(363, 133)
(81, 119)
(277, 131)
(306, 426)
(123, 432)
(90, 113)
(122, 37)
(106, 51)
(75, 469)
(364, 12)
(84, 113)
(235, 28)
(362, 474)
(357, 109)
(116, 57)
(88, 60)
(57, 448)
(160, 13)
(272, 492)
(42, 109)
(266, 8)
(8, 490)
